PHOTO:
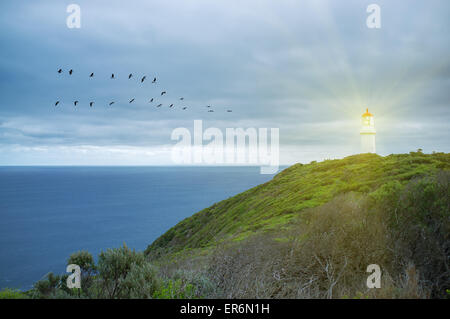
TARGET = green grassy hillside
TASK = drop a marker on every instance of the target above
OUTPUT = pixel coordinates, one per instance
(273, 205)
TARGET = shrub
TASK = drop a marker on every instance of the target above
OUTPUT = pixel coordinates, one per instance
(331, 247)
(175, 289)
(202, 285)
(325, 253)
(83, 259)
(141, 282)
(49, 286)
(419, 231)
(248, 269)
(113, 267)
(87, 265)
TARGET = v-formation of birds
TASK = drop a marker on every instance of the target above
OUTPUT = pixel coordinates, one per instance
(91, 103)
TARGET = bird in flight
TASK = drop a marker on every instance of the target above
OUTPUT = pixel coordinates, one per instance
(154, 80)
(171, 105)
(91, 75)
(143, 79)
(184, 108)
(229, 111)
(163, 92)
(75, 103)
(112, 76)
(208, 106)
(131, 101)
(159, 105)
(111, 103)
(60, 70)
(129, 76)
(91, 103)
(70, 71)
(181, 98)
(151, 100)
(57, 102)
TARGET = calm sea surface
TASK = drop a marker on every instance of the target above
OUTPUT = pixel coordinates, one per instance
(46, 213)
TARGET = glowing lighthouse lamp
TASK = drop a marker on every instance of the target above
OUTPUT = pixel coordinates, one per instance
(367, 133)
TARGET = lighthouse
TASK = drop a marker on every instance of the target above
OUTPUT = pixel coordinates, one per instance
(367, 133)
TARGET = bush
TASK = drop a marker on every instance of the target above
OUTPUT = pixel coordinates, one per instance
(48, 287)
(248, 269)
(175, 289)
(113, 267)
(83, 259)
(332, 246)
(141, 282)
(325, 253)
(419, 231)
(87, 265)
(202, 285)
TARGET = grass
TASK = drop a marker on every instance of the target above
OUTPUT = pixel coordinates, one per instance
(8, 293)
(273, 205)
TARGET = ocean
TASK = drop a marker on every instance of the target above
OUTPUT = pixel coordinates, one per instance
(47, 213)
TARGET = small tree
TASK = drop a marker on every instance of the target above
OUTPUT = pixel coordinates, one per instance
(86, 263)
(47, 287)
(141, 282)
(83, 259)
(113, 267)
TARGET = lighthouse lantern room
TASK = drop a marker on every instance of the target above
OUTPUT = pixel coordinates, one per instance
(367, 133)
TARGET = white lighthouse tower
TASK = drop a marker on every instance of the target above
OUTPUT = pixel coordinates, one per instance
(367, 133)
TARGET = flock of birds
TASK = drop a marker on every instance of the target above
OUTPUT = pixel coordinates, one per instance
(91, 103)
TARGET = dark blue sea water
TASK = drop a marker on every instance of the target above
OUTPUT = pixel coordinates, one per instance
(46, 213)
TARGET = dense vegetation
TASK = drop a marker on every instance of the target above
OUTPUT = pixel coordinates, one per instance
(311, 232)
(273, 205)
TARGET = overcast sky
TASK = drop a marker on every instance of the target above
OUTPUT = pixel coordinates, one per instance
(309, 68)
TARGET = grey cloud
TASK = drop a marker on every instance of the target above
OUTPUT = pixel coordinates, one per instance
(307, 67)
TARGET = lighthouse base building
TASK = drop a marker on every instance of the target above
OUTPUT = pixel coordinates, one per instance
(368, 143)
(367, 133)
